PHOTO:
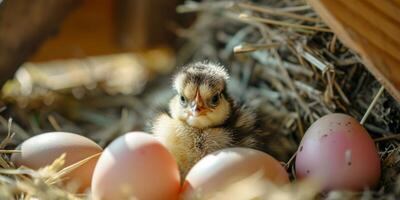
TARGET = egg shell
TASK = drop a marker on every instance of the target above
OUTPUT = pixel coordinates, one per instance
(136, 165)
(43, 149)
(338, 152)
(222, 168)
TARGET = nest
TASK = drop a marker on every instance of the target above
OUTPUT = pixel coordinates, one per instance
(283, 60)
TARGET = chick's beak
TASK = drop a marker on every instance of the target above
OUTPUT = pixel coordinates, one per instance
(198, 107)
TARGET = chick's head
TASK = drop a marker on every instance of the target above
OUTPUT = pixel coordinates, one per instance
(201, 100)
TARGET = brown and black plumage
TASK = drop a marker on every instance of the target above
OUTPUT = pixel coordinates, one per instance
(203, 118)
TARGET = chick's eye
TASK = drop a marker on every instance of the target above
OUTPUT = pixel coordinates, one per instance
(215, 99)
(182, 99)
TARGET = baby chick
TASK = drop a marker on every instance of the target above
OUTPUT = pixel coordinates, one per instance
(203, 118)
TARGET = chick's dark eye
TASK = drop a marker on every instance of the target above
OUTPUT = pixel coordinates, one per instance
(183, 99)
(215, 99)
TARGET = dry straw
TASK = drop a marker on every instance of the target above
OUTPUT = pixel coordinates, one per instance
(283, 60)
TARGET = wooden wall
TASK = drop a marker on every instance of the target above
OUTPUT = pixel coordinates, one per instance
(110, 26)
(372, 28)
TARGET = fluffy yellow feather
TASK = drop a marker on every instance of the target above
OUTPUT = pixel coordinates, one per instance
(202, 117)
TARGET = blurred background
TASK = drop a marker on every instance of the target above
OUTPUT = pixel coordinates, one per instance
(78, 28)
(55, 53)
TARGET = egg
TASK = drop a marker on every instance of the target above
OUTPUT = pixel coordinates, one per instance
(136, 165)
(43, 149)
(220, 169)
(338, 153)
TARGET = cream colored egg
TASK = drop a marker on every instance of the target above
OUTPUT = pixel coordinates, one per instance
(136, 165)
(218, 170)
(43, 149)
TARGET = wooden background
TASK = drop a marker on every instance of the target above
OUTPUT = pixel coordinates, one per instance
(372, 28)
(43, 30)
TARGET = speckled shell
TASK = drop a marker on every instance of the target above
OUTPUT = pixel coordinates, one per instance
(338, 153)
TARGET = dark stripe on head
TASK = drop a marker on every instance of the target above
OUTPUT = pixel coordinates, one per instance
(210, 74)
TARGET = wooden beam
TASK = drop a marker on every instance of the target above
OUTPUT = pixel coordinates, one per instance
(372, 28)
(24, 25)
(146, 24)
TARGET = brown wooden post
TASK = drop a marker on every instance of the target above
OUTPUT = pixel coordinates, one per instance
(372, 28)
(145, 24)
(24, 25)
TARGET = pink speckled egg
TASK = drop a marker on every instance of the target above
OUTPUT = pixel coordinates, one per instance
(338, 153)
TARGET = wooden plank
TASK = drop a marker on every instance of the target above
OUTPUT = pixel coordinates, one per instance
(372, 28)
(146, 24)
(110, 27)
(89, 30)
(24, 25)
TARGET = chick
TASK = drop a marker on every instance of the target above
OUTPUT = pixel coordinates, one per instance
(203, 118)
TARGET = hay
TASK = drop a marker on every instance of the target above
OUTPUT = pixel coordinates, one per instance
(283, 60)
(294, 68)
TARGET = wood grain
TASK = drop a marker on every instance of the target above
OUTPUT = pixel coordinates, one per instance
(372, 28)
(24, 25)
(88, 30)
